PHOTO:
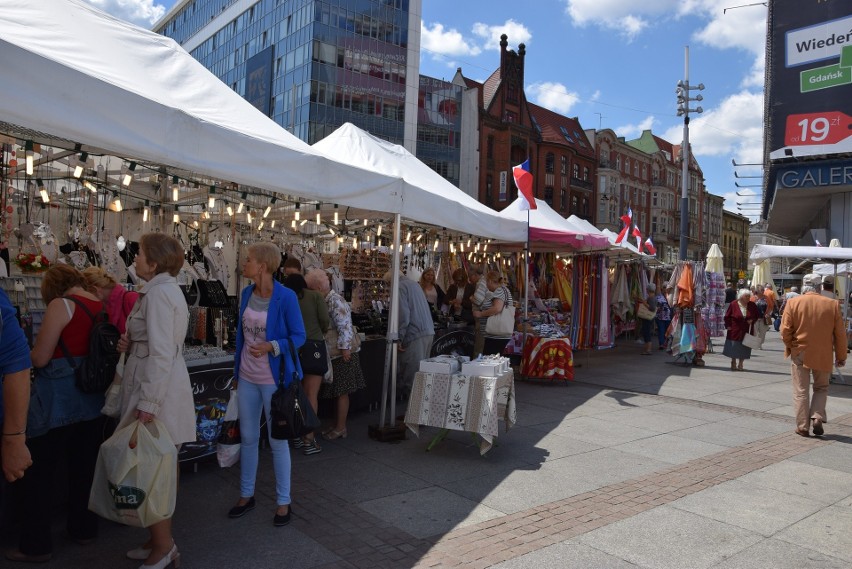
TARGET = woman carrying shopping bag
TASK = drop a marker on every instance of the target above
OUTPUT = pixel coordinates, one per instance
(156, 382)
(497, 299)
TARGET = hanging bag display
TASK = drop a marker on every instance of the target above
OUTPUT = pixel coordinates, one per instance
(228, 443)
(135, 481)
(291, 414)
(501, 324)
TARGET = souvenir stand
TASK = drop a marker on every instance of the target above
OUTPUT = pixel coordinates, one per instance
(713, 312)
(545, 340)
(689, 288)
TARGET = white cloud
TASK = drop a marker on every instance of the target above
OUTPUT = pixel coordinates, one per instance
(553, 96)
(628, 17)
(516, 32)
(143, 13)
(631, 131)
(441, 42)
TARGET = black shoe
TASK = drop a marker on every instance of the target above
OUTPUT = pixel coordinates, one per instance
(279, 521)
(818, 430)
(240, 511)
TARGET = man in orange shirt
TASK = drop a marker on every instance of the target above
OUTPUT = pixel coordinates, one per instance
(812, 329)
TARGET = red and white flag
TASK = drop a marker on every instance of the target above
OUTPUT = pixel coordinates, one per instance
(638, 235)
(649, 246)
(524, 182)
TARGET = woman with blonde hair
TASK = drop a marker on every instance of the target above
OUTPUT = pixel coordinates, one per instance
(270, 320)
(433, 292)
(118, 300)
(156, 382)
(498, 298)
(346, 368)
(63, 423)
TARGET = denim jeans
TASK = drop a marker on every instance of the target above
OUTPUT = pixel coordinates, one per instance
(662, 326)
(252, 398)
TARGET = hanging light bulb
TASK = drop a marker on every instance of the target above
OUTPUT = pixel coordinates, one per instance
(260, 225)
(419, 237)
(229, 209)
(91, 187)
(29, 154)
(296, 212)
(176, 216)
(81, 164)
(354, 242)
(128, 174)
(211, 197)
(242, 203)
(485, 248)
(331, 230)
(268, 208)
(45, 197)
(175, 189)
(365, 221)
(408, 237)
(145, 212)
(293, 224)
(336, 221)
(272, 225)
(379, 232)
(318, 214)
(248, 216)
(301, 223)
(195, 224)
(116, 202)
(461, 246)
(452, 247)
(437, 242)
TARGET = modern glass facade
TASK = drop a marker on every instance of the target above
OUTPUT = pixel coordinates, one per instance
(321, 62)
(439, 108)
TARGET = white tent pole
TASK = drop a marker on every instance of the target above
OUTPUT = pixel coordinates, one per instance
(526, 283)
(393, 332)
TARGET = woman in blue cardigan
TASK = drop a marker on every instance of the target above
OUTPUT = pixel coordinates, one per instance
(269, 320)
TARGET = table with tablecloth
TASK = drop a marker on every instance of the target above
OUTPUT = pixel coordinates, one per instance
(462, 403)
(547, 358)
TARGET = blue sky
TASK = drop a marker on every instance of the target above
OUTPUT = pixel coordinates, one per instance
(611, 63)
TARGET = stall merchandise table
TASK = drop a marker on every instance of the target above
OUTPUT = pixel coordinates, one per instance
(548, 358)
(462, 403)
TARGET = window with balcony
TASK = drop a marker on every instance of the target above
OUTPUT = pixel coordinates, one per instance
(563, 164)
(585, 173)
(575, 169)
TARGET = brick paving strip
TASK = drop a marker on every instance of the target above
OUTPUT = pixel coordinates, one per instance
(363, 540)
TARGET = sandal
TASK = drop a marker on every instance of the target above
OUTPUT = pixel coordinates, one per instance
(332, 434)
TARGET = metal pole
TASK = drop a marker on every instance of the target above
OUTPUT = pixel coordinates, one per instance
(393, 333)
(684, 192)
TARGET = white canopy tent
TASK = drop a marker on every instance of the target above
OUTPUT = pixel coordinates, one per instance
(425, 195)
(75, 75)
(831, 255)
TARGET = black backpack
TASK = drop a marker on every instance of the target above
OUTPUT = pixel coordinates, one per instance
(97, 370)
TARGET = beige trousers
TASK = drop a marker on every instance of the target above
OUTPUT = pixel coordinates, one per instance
(805, 409)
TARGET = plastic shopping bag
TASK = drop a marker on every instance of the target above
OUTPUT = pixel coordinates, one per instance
(136, 476)
(228, 443)
(112, 401)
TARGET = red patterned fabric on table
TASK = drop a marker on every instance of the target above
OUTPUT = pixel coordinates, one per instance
(548, 358)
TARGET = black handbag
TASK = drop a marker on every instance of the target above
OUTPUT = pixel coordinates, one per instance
(313, 357)
(291, 414)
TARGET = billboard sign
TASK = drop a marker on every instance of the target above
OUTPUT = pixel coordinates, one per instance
(259, 81)
(810, 80)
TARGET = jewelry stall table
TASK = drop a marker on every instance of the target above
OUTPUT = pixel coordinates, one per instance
(548, 358)
(462, 403)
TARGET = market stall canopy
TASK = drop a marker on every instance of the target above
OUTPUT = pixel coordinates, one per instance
(549, 231)
(426, 196)
(762, 274)
(75, 75)
(826, 254)
(625, 246)
(824, 269)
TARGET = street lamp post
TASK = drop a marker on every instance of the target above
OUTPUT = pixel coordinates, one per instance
(683, 100)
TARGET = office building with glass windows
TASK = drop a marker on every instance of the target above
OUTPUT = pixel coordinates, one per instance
(312, 65)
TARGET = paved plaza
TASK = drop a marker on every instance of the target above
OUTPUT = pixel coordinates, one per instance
(640, 463)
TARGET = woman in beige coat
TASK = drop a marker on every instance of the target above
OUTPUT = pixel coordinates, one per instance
(156, 382)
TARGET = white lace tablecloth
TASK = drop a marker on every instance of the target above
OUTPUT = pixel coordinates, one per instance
(462, 403)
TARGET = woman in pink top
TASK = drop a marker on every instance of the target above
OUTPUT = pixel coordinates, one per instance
(118, 300)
